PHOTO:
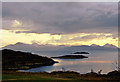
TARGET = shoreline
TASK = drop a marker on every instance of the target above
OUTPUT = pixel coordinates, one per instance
(18, 60)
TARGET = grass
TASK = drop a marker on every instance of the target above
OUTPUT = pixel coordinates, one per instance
(14, 76)
(21, 78)
(37, 77)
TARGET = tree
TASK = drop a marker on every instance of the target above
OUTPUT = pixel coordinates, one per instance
(116, 65)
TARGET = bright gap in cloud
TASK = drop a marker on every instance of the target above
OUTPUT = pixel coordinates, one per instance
(11, 37)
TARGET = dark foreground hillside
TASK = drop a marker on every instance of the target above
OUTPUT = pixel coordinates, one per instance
(59, 76)
(15, 60)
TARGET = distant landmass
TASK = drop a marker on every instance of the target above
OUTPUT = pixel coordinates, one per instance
(107, 47)
(32, 47)
(74, 55)
(80, 53)
(71, 57)
(17, 60)
(36, 47)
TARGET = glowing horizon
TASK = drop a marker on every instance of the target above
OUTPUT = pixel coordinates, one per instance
(58, 39)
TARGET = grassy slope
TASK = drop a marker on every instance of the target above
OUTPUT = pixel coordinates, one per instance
(37, 77)
(12, 76)
(19, 78)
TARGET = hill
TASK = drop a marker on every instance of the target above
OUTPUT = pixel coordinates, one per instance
(17, 60)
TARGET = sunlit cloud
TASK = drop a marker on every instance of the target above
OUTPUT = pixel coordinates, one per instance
(16, 23)
(73, 24)
(11, 37)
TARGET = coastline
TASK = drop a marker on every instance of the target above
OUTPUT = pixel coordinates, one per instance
(17, 60)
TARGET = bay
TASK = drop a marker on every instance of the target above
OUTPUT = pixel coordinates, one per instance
(97, 60)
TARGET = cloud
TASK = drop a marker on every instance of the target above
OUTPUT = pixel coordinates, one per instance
(11, 37)
(63, 18)
(60, 23)
(92, 37)
(16, 23)
(60, 1)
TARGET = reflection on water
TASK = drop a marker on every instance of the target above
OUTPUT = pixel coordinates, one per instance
(98, 60)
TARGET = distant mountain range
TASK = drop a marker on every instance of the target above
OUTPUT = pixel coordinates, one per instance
(32, 47)
(36, 47)
(92, 47)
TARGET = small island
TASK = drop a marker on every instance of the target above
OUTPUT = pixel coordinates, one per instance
(75, 56)
(80, 53)
(71, 57)
(17, 60)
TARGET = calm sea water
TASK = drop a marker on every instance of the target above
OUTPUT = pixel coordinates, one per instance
(98, 60)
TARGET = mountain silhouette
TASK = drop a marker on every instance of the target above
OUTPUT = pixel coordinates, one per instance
(48, 47)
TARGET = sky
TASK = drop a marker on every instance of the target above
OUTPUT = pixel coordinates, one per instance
(60, 23)
(60, 0)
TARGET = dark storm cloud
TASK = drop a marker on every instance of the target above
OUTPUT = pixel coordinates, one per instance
(61, 17)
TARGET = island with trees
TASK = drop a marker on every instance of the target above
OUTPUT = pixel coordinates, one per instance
(74, 55)
(71, 57)
(80, 53)
(17, 60)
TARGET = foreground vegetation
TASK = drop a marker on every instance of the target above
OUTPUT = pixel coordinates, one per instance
(59, 76)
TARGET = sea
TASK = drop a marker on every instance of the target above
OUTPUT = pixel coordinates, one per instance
(105, 60)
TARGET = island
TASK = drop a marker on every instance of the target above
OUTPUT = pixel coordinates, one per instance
(75, 56)
(17, 60)
(80, 53)
(71, 57)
